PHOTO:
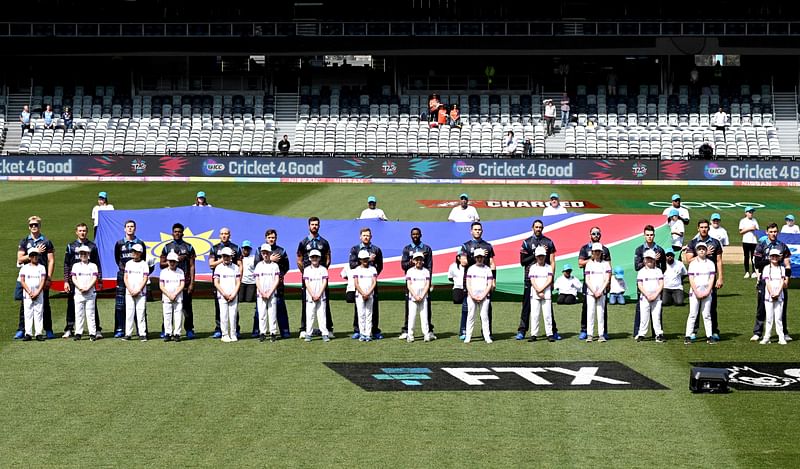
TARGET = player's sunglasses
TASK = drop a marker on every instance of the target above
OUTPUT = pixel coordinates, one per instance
(595, 233)
(33, 224)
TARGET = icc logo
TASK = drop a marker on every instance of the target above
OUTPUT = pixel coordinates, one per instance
(211, 167)
(712, 170)
(389, 168)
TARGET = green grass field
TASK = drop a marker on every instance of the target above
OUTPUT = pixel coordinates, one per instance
(203, 403)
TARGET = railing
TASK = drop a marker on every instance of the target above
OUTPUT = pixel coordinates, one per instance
(405, 29)
(425, 83)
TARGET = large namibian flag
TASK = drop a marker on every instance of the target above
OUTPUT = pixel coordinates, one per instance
(621, 233)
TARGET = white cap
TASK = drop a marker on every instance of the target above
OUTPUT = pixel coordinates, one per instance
(32, 250)
(315, 252)
(137, 248)
(479, 252)
(265, 247)
(540, 251)
(226, 251)
(84, 249)
(363, 254)
(597, 246)
(700, 245)
(649, 253)
(172, 256)
(775, 252)
(418, 254)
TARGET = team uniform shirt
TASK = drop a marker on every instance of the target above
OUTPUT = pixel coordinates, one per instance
(418, 278)
(568, 285)
(585, 253)
(96, 212)
(171, 280)
(649, 278)
(308, 244)
(137, 273)
(480, 276)
(617, 285)
(638, 256)
(538, 275)
(750, 236)
(372, 249)
(469, 248)
(794, 229)
(526, 253)
(761, 257)
(182, 248)
(710, 242)
(773, 277)
(595, 273)
(673, 276)
(363, 277)
(283, 263)
(72, 257)
(249, 269)
(34, 275)
(372, 213)
(227, 275)
(721, 235)
(550, 210)
(683, 213)
(123, 251)
(26, 243)
(85, 274)
(701, 271)
(459, 214)
(216, 252)
(266, 275)
(313, 278)
(456, 274)
(676, 226)
(410, 249)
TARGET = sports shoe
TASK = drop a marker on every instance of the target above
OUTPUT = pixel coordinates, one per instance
(92, 338)
(238, 335)
(326, 338)
(26, 338)
(255, 334)
(782, 342)
(488, 340)
(50, 335)
(764, 341)
(286, 334)
(787, 337)
(225, 339)
(432, 336)
(550, 338)
(639, 338)
(77, 337)
(715, 337)
(602, 339)
(316, 333)
(126, 337)
(162, 335)
(273, 338)
(467, 340)
(746, 275)
(302, 334)
(660, 339)
(119, 334)
(143, 338)
(330, 335)
(520, 335)
(605, 335)
(532, 338)
(462, 337)
(40, 338)
(98, 336)
(556, 336)
(66, 335)
(588, 338)
(176, 338)
(754, 338)
(754, 275)
(378, 336)
(19, 335)
(711, 341)
(307, 338)
(190, 334)
(362, 339)
(687, 341)
(410, 339)
(693, 337)
(367, 339)
(582, 335)
(235, 338)
(262, 337)
(167, 338)
(355, 335)
(402, 336)
(427, 338)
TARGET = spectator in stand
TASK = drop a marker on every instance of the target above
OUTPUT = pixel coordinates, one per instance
(284, 145)
(464, 212)
(371, 212)
(747, 228)
(433, 107)
(565, 111)
(25, 120)
(509, 143)
(441, 115)
(455, 116)
(790, 227)
(527, 148)
(49, 123)
(549, 116)
(719, 120)
(66, 116)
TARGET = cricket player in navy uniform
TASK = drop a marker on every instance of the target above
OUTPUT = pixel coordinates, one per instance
(584, 256)
(306, 245)
(761, 260)
(186, 258)
(527, 258)
(714, 254)
(375, 260)
(215, 259)
(71, 257)
(468, 249)
(279, 256)
(123, 252)
(407, 263)
(638, 264)
(47, 258)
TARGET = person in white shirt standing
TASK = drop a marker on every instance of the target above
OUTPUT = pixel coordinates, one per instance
(677, 230)
(84, 277)
(267, 276)
(683, 212)
(418, 284)
(717, 232)
(549, 117)
(673, 282)
(541, 276)
(509, 143)
(719, 120)
(464, 212)
(747, 228)
(554, 207)
(137, 274)
(775, 281)
(371, 212)
(789, 227)
(456, 275)
(567, 287)
(480, 283)
(32, 277)
(701, 280)
(227, 281)
(365, 278)
(650, 282)
(171, 283)
(102, 204)
(315, 280)
(597, 276)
